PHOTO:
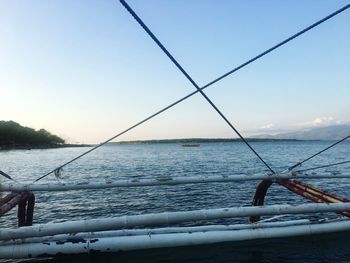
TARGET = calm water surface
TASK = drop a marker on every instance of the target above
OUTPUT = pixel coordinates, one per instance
(170, 159)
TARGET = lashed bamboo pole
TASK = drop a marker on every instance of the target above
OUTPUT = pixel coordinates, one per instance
(151, 231)
(6, 198)
(125, 243)
(114, 223)
(17, 187)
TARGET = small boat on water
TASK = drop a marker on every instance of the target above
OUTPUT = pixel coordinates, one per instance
(171, 229)
(191, 145)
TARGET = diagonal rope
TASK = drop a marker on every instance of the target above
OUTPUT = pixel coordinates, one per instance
(6, 175)
(312, 156)
(322, 166)
(163, 48)
(204, 87)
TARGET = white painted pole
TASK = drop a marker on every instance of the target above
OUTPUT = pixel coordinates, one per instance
(165, 218)
(152, 231)
(127, 243)
(17, 187)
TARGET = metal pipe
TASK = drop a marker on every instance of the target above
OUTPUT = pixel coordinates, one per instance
(167, 218)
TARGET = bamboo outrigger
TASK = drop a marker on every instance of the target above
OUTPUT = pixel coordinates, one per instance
(136, 232)
(129, 233)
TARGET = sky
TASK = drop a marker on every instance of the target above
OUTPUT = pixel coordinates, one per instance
(85, 70)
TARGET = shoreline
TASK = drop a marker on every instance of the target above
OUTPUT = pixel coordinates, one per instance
(202, 140)
(39, 146)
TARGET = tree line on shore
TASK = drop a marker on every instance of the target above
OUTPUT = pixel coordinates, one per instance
(13, 134)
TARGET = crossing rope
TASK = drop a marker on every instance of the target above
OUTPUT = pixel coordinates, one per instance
(318, 153)
(322, 166)
(6, 175)
(162, 47)
(202, 88)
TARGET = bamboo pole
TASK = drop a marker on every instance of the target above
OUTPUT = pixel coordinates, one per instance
(6, 198)
(14, 200)
(152, 231)
(114, 223)
(127, 243)
(17, 187)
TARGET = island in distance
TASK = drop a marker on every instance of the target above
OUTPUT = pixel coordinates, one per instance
(327, 133)
(16, 136)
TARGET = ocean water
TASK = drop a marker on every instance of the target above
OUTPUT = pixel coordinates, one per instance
(122, 161)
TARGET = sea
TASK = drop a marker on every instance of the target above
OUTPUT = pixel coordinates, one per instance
(156, 160)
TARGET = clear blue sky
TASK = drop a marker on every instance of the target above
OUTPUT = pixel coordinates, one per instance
(85, 70)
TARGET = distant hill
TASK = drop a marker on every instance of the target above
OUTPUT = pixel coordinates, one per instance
(199, 140)
(13, 135)
(335, 132)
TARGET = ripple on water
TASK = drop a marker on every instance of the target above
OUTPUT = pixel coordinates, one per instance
(157, 160)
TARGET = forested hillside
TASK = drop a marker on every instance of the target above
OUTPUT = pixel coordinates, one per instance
(13, 134)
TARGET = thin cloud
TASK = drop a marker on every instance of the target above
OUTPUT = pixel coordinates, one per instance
(272, 129)
(320, 122)
(269, 126)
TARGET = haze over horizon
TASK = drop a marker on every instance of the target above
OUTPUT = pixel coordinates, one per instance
(85, 70)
